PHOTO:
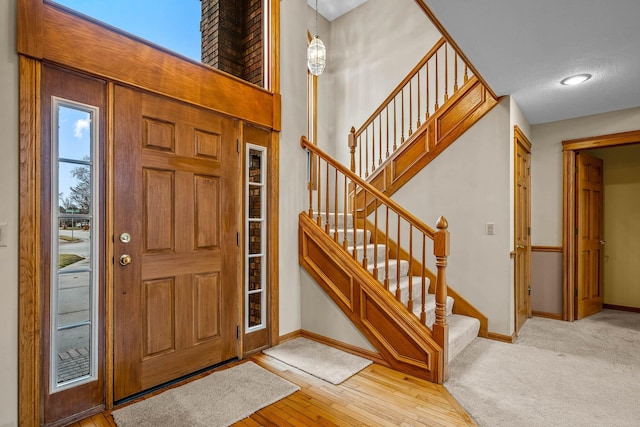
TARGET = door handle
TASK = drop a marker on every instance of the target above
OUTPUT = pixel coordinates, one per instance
(519, 246)
(602, 242)
(125, 259)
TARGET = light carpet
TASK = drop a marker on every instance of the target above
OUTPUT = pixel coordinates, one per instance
(319, 360)
(585, 373)
(219, 399)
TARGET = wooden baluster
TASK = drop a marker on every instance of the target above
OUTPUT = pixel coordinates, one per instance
(326, 204)
(366, 152)
(418, 92)
(352, 148)
(423, 312)
(375, 240)
(446, 73)
(345, 213)
(373, 145)
(387, 109)
(427, 88)
(355, 220)
(335, 205)
(466, 75)
(455, 73)
(435, 108)
(386, 249)
(380, 139)
(402, 115)
(364, 231)
(395, 131)
(311, 159)
(360, 155)
(410, 107)
(398, 261)
(319, 192)
(440, 327)
(410, 301)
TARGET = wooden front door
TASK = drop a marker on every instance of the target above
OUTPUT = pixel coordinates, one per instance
(177, 261)
(522, 229)
(590, 240)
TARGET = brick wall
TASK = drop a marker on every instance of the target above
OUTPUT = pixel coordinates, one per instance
(232, 37)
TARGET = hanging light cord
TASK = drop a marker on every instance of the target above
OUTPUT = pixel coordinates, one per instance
(316, 18)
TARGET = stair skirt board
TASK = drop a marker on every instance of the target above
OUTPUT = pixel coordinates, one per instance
(462, 329)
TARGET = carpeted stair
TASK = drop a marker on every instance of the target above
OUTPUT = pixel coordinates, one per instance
(462, 329)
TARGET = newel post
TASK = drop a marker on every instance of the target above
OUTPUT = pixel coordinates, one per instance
(440, 327)
(352, 148)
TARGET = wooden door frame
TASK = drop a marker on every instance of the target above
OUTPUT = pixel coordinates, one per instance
(520, 139)
(39, 20)
(569, 150)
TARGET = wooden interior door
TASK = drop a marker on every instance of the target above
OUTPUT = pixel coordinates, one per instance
(522, 229)
(590, 241)
(176, 212)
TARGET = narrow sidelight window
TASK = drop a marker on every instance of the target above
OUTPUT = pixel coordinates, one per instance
(74, 260)
(256, 228)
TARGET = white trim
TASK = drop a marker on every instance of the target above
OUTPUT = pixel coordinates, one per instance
(94, 267)
(263, 238)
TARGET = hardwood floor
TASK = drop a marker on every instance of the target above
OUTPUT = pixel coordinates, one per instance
(376, 396)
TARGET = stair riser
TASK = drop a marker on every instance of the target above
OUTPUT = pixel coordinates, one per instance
(358, 239)
(380, 249)
(393, 270)
(331, 219)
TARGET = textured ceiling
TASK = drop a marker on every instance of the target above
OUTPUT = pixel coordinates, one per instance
(332, 9)
(523, 48)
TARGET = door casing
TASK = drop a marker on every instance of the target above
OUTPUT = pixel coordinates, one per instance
(569, 150)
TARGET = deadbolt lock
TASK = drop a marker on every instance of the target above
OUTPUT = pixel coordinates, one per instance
(125, 237)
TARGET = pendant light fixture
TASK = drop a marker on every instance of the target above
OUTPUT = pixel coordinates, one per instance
(316, 52)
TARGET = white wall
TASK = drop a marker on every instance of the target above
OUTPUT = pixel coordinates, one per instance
(373, 48)
(469, 183)
(546, 166)
(293, 45)
(9, 214)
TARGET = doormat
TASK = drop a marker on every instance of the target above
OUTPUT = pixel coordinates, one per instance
(217, 400)
(319, 360)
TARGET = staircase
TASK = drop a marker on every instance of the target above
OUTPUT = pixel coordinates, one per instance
(394, 274)
(373, 264)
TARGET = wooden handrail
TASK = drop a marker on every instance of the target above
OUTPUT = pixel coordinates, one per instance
(418, 224)
(402, 84)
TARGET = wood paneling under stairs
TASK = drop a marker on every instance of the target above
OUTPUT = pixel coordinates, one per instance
(376, 396)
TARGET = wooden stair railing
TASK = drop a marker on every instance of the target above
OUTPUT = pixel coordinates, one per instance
(441, 97)
(374, 300)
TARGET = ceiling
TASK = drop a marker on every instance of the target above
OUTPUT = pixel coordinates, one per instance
(524, 48)
(332, 9)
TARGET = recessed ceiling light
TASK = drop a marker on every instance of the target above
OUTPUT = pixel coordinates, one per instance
(575, 80)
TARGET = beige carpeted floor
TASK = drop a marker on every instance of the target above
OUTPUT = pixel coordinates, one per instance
(217, 400)
(585, 373)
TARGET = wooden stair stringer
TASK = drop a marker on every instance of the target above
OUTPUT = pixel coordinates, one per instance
(462, 306)
(403, 342)
(437, 133)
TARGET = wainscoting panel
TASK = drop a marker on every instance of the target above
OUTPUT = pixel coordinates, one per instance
(546, 280)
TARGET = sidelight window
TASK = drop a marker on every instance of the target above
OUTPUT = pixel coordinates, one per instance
(74, 224)
(255, 207)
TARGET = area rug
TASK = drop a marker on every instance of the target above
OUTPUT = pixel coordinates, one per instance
(319, 360)
(570, 380)
(219, 399)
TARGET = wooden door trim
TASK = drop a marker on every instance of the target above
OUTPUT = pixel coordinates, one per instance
(519, 139)
(29, 306)
(569, 150)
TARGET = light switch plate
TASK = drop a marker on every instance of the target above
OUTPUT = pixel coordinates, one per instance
(491, 228)
(3, 234)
